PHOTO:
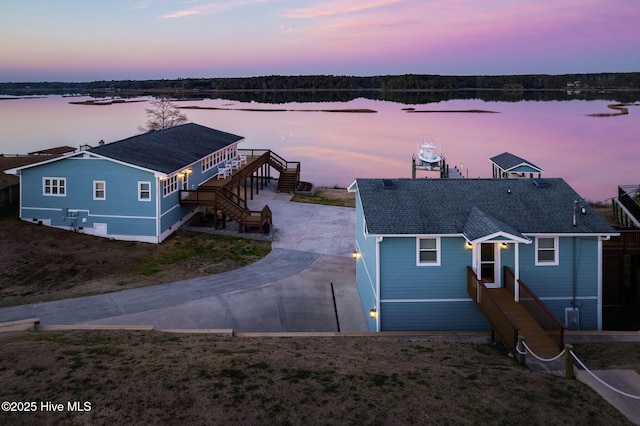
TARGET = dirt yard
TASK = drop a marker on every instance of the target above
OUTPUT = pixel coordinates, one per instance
(158, 378)
(41, 264)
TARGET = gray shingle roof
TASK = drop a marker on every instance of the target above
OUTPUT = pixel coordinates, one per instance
(477, 206)
(507, 161)
(168, 150)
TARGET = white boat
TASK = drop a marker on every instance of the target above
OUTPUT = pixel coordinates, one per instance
(427, 156)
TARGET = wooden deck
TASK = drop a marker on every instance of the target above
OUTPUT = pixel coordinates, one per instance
(535, 336)
(229, 194)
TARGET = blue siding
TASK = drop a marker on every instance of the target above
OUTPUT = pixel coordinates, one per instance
(432, 316)
(402, 279)
(366, 267)
(558, 281)
(120, 210)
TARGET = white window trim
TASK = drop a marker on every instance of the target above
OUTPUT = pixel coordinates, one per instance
(437, 262)
(170, 185)
(58, 180)
(140, 183)
(95, 189)
(556, 254)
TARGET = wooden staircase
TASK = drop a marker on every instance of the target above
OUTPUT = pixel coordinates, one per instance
(289, 173)
(509, 319)
(219, 194)
(288, 181)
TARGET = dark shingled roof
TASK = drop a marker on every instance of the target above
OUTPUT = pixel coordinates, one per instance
(474, 207)
(507, 161)
(168, 150)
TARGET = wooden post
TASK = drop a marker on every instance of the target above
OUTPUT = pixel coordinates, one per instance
(413, 167)
(519, 349)
(568, 362)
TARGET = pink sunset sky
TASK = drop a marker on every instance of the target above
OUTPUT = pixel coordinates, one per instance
(79, 40)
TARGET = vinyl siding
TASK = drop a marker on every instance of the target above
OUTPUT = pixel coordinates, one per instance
(402, 279)
(121, 209)
(554, 282)
(366, 267)
(432, 316)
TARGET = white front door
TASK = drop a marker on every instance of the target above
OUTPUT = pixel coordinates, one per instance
(490, 264)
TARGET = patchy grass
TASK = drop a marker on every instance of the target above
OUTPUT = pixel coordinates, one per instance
(328, 196)
(156, 378)
(41, 264)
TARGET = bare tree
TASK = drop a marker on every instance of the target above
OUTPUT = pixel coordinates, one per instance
(163, 115)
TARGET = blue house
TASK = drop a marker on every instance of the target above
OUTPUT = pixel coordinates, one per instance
(417, 240)
(129, 189)
(507, 165)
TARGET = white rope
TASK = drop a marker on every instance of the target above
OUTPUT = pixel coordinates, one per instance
(536, 356)
(601, 381)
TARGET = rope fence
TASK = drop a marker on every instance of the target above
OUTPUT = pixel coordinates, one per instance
(569, 357)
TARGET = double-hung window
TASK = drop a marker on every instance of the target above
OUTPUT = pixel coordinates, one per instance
(144, 191)
(546, 251)
(99, 190)
(428, 251)
(54, 187)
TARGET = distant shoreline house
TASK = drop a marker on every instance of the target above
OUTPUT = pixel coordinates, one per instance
(126, 190)
(416, 239)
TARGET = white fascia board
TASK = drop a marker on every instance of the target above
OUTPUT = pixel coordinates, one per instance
(415, 235)
(556, 234)
(508, 237)
(156, 173)
(353, 187)
(16, 170)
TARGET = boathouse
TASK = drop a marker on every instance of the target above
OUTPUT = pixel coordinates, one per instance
(507, 165)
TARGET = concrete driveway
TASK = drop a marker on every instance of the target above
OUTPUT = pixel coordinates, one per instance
(288, 290)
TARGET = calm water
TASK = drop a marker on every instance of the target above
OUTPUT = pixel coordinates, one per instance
(593, 154)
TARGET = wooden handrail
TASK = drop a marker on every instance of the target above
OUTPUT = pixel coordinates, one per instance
(501, 322)
(538, 310)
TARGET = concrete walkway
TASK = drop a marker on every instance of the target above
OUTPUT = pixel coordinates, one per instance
(288, 290)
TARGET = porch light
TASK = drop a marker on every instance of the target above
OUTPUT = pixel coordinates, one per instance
(468, 245)
(503, 246)
(356, 254)
(373, 313)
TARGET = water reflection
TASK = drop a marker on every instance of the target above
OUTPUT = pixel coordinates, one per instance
(594, 154)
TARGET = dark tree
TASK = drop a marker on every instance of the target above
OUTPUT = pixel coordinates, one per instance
(163, 115)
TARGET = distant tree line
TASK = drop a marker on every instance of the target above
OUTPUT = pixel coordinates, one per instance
(407, 88)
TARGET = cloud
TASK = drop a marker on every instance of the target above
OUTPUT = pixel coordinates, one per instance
(211, 8)
(339, 7)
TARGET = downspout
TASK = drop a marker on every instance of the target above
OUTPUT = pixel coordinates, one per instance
(599, 302)
(378, 241)
(158, 201)
(516, 272)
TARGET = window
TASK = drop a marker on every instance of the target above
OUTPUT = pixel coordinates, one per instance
(54, 187)
(208, 162)
(170, 185)
(547, 251)
(99, 190)
(144, 191)
(428, 251)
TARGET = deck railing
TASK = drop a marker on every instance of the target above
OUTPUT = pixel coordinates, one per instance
(538, 310)
(625, 198)
(500, 321)
(274, 159)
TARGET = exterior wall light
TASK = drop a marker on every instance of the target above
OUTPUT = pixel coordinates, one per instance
(468, 245)
(373, 313)
(504, 246)
(356, 254)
